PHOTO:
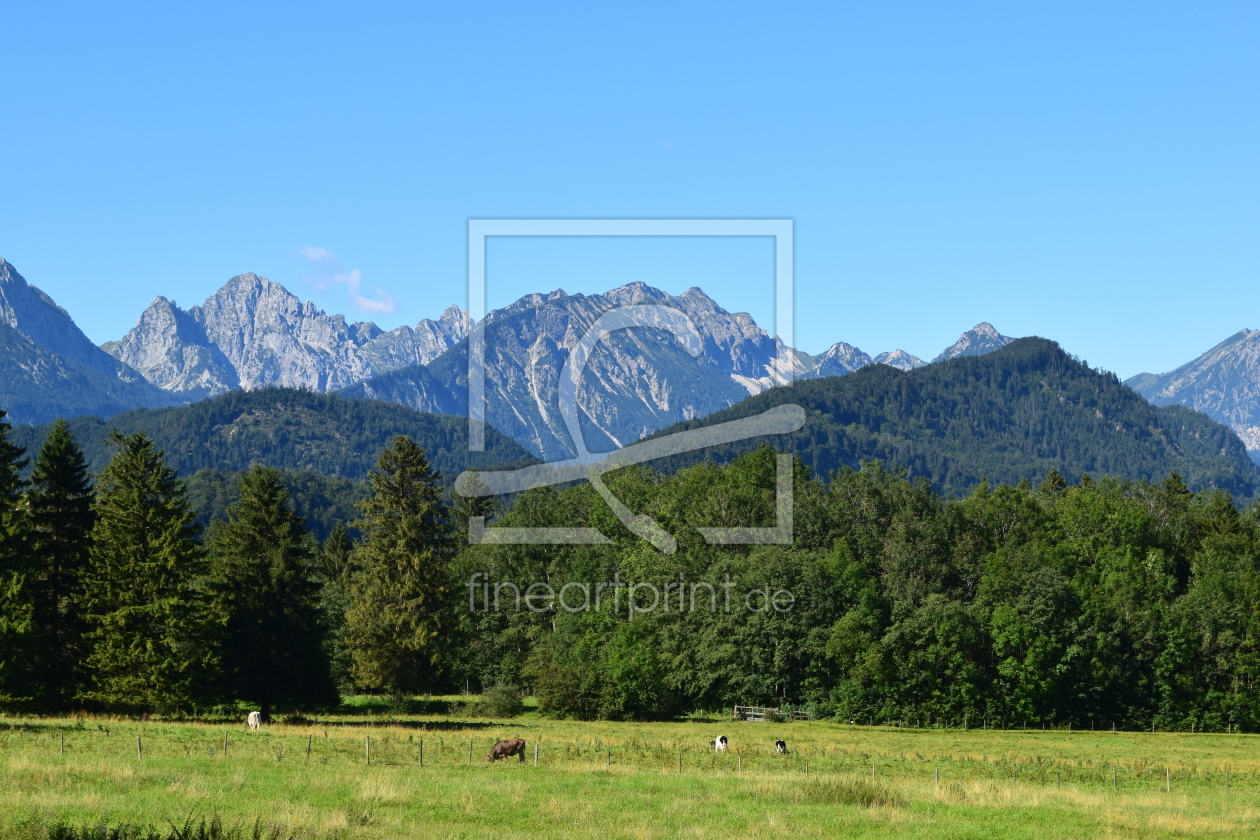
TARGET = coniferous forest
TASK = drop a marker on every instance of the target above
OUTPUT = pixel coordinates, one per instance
(1096, 602)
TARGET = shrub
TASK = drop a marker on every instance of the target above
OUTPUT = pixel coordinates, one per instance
(501, 701)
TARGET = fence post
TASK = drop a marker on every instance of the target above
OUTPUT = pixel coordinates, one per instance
(680, 761)
(420, 757)
(739, 764)
(535, 753)
(608, 761)
(367, 748)
(470, 746)
(225, 736)
(1113, 777)
(938, 777)
(308, 747)
(63, 743)
(1167, 780)
(139, 748)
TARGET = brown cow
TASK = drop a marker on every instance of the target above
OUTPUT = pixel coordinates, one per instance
(507, 749)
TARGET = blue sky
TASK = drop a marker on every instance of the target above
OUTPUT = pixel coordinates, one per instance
(1082, 171)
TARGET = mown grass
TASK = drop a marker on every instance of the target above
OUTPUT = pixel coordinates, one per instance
(613, 780)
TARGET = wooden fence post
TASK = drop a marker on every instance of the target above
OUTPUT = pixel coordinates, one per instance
(225, 736)
(63, 743)
(420, 757)
(1167, 780)
(367, 749)
(680, 761)
(1113, 777)
(535, 753)
(139, 748)
(470, 746)
(308, 747)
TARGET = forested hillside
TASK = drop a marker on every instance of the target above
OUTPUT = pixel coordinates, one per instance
(1012, 414)
(285, 428)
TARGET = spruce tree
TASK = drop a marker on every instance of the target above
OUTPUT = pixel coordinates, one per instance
(146, 643)
(267, 598)
(395, 610)
(16, 608)
(61, 517)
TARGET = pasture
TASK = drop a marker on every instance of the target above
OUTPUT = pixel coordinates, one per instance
(360, 776)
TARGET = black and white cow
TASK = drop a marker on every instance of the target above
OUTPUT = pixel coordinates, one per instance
(780, 747)
(719, 743)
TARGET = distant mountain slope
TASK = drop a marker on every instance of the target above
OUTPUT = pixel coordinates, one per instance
(253, 332)
(1007, 415)
(49, 368)
(1223, 383)
(286, 428)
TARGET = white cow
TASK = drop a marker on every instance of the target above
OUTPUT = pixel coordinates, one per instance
(254, 720)
(719, 743)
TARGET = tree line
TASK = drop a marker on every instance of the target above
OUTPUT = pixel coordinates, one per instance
(1099, 602)
(112, 597)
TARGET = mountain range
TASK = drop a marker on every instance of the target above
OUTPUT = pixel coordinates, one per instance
(253, 333)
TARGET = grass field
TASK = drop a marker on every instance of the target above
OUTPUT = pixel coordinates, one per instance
(362, 779)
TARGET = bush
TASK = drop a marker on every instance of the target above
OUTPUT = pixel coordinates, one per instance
(501, 701)
(559, 691)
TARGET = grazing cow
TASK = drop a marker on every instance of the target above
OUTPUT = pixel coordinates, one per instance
(254, 720)
(719, 743)
(507, 749)
(780, 747)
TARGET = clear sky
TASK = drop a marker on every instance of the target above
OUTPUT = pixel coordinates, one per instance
(1083, 171)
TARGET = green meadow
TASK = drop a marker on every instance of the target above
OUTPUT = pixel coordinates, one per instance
(361, 776)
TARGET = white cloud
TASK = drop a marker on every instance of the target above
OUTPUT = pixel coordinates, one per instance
(328, 273)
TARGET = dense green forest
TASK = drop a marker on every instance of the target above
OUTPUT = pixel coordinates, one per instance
(326, 501)
(1097, 601)
(1016, 413)
(286, 428)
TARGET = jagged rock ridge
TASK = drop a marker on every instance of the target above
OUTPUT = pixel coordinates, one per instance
(254, 332)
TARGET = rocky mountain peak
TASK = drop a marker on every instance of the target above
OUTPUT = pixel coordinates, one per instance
(980, 339)
(899, 359)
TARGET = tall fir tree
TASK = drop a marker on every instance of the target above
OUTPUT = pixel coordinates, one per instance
(147, 647)
(263, 576)
(61, 518)
(396, 600)
(16, 608)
